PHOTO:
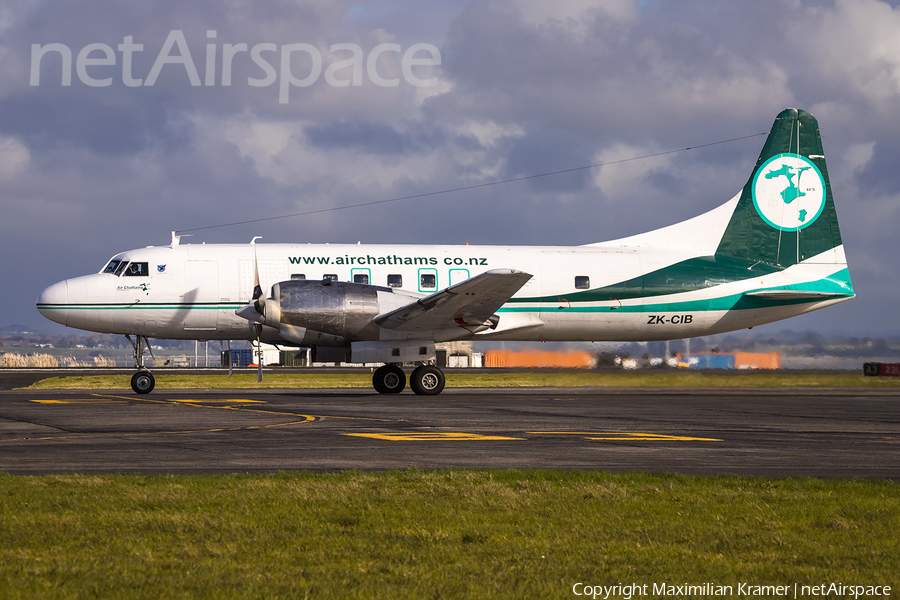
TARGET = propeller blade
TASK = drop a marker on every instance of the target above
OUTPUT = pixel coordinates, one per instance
(257, 289)
(259, 360)
(250, 313)
(255, 310)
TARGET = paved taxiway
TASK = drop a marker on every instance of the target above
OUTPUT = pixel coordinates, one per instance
(822, 433)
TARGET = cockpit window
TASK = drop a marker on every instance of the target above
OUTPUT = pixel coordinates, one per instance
(120, 268)
(136, 269)
(111, 267)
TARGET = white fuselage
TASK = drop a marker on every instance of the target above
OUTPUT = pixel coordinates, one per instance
(191, 291)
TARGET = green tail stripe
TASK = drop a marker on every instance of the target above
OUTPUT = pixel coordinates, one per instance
(838, 283)
(686, 276)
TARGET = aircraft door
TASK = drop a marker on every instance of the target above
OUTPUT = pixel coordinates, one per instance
(201, 295)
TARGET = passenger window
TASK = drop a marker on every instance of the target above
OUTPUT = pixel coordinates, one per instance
(428, 281)
(299, 276)
(361, 278)
(395, 280)
(136, 269)
(582, 282)
(329, 277)
(111, 267)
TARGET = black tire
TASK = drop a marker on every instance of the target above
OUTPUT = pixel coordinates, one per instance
(427, 380)
(389, 379)
(143, 382)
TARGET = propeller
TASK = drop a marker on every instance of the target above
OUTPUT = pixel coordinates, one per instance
(255, 311)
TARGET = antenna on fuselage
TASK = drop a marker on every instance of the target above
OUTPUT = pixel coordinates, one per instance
(176, 238)
(255, 237)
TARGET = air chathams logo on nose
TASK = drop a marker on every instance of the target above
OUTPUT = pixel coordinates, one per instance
(789, 192)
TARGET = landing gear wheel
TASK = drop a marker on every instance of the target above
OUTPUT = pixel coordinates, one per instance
(389, 379)
(427, 380)
(143, 382)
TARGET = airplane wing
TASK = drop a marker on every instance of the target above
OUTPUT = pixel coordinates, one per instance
(468, 304)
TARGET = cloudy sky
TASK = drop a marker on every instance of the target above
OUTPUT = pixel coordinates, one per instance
(122, 156)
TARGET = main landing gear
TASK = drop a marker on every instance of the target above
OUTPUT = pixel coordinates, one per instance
(142, 382)
(425, 380)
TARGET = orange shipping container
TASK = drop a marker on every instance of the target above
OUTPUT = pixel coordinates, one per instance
(757, 360)
(509, 358)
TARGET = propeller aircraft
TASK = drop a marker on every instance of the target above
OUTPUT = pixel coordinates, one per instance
(771, 252)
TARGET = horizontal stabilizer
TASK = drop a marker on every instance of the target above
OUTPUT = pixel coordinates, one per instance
(468, 304)
(796, 295)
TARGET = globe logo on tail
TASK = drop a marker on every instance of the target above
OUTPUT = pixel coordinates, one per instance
(789, 192)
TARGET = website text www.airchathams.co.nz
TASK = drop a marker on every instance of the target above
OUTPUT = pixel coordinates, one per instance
(390, 259)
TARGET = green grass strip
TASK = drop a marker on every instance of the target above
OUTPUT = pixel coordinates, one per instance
(445, 534)
(165, 380)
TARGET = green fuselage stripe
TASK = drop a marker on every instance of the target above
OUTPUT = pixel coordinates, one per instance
(141, 306)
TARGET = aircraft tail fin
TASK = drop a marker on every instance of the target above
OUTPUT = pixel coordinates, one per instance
(785, 214)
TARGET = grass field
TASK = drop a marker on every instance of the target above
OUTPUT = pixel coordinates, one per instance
(165, 380)
(447, 534)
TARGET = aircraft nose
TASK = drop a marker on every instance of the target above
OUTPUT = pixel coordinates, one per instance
(52, 302)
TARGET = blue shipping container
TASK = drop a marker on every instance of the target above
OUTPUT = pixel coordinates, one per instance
(712, 361)
(239, 358)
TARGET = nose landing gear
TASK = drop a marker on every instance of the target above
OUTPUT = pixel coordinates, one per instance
(142, 382)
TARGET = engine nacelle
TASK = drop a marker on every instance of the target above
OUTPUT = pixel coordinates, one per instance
(337, 308)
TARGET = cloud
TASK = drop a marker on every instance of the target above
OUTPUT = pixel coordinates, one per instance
(854, 46)
(609, 83)
(621, 177)
(14, 158)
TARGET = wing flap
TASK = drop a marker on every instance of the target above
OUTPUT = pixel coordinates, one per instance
(469, 304)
